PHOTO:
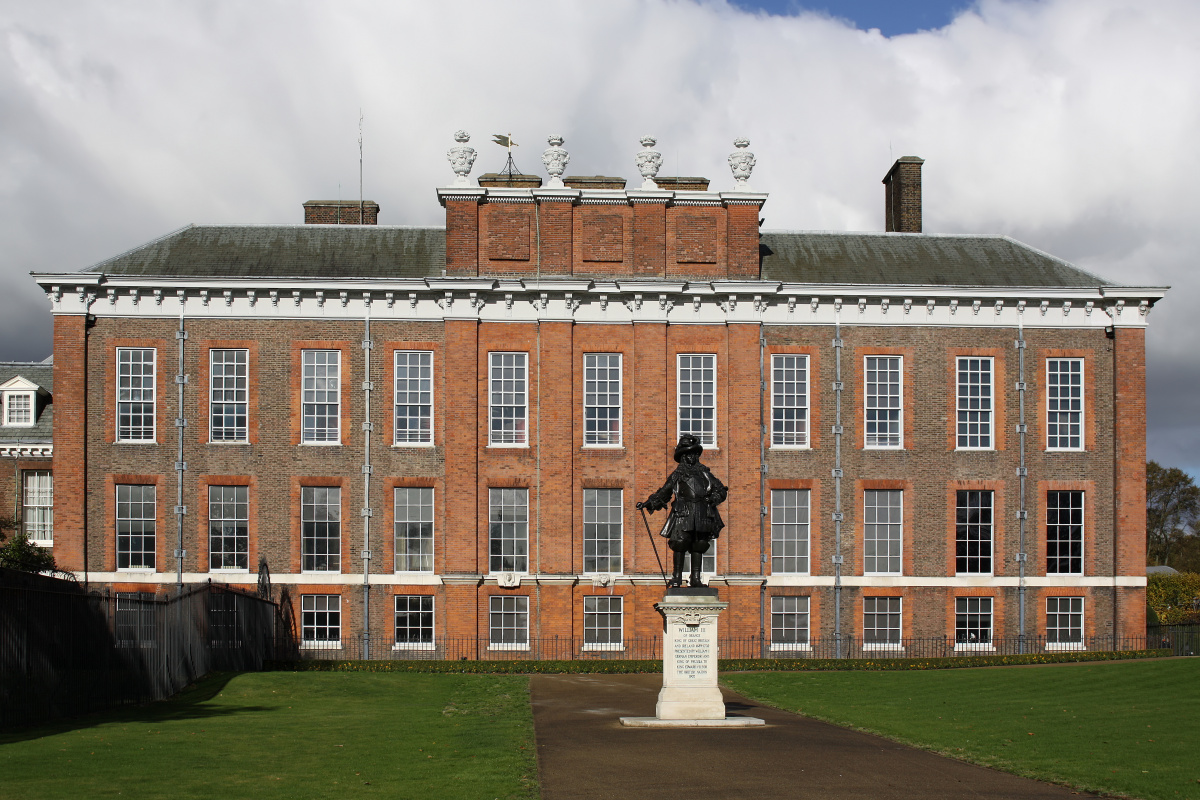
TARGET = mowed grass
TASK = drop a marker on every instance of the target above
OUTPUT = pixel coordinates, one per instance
(292, 735)
(1125, 728)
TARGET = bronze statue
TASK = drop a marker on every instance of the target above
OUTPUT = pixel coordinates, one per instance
(694, 520)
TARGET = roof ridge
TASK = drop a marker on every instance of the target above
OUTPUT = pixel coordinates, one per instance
(96, 267)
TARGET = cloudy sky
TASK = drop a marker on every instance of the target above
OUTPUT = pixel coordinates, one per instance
(1068, 124)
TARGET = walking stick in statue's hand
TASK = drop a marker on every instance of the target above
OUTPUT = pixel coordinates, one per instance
(642, 508)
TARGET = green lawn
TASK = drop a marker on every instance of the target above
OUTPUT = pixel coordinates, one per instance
(1126, 728)
(292, 735)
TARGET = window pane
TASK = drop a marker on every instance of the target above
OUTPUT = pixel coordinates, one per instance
(414, 619)
(321, 528)
(975, 403)
(135, 394)
(135, 527)
(228, 395)
(602, 398)
(322, 395)
(883, 401)
(602, 620)
(602, 529)
(228, 527)
(414, 397)
(38, 506)
(789, 531)
(789, 620)
(973, 552)
(414, 529)
(1064, 533)
(508, 398)
(697, 397)
(883, 517)
(1064, 403)
(789, 400)
(508, 530)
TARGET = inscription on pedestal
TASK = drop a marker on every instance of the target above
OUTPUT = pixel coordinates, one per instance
(693, 650)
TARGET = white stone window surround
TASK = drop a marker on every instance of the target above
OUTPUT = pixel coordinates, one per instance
(421, 605)
(603, 400)
(321, 397)
(508, 399)
(228, 395)
(975, 403)
(599, 612)
(320, 622)
(412, 392)
(790, 407)
(883, 402)
(137, 373)
(1065, 404)
(696, 397)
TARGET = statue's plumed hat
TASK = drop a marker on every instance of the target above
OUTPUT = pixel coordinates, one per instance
(687, 444)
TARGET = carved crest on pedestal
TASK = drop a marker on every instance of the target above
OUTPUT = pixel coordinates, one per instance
(649, 161)
(462, 158)
(556, 158)
(741, 161)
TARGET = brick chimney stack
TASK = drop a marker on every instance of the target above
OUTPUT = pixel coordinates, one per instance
(341, 212)
(902, 196)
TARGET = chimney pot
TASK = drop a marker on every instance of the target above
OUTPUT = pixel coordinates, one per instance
(902, 196)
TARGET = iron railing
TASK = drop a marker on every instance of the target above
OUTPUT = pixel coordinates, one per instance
(1181, 640)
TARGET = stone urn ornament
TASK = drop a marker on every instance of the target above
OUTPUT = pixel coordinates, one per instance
(649, 161)
(556, 158)
(462, 158)
(741, 161)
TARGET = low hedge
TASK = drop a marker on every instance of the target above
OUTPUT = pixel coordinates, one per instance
(619, 667)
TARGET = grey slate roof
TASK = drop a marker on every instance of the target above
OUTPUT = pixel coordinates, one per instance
(381, 252)
(41, 373)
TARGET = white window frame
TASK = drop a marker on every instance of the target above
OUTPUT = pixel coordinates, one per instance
(152, 402)
(37, 505)
(432, 612)
(118, 519)
(336, 505)
(305, 437)
(1082, 409)
(893, 646)
(620, 410)
(868, 408)
(314, 643)
(28, 397)
(1082, 643)
(496, 503)
(707, 438)
(803, 440)
(520, 431)
(619, 537)
(781, 526)
(960, 399)
(241, 396)
(520, 607)
(867, 525)
(591, 615)
(424, 434)
(235, 519)
(986, 644)
(426, 509)
(990, 525)
(779, 612)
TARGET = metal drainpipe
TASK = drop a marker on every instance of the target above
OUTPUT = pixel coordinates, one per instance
(367, 385)
(537, 585)
(181, 380)
(1022, 474)
(837, 478)
(88, 321)
(762, 491)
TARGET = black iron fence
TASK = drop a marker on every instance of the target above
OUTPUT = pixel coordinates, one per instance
(65, 652)
(567, 648)
(1181, 640)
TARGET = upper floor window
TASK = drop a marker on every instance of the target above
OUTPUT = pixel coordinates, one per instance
(883, 517)
(37, 512)
(508, 399)
(973, 546)
(508, 530)
(602, 530)
(414, 397)
(1064, 403)
(883, 401)
(602, 398)
(1064, 533)
(18, 408)
(135, 394)
(789, 531)
(789, 401)
(697, 397)
(414, 528)
(975, 385)
(228, 395)
(136, 518)
(322, 395)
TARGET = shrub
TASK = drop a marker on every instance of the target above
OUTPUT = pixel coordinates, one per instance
(1172, 596)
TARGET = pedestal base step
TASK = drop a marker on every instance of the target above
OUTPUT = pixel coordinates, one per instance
(727, 722)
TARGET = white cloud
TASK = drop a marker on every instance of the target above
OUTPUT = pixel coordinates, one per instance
(1069, 124)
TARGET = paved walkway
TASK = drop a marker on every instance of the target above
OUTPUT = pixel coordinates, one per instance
(585, 754)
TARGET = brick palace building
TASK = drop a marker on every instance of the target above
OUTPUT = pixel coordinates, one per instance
(436, 436)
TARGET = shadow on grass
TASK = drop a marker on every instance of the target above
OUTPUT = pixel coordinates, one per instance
(187, 705)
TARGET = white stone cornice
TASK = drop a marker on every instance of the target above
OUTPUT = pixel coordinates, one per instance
(743, 198)
(26, 450)
(459, 193)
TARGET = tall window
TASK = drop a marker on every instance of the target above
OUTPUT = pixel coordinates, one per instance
(789, 622)
(228, 395)
(321, 620)
(135, 526)
(414, 397)
(881, 621)
(602, 398)
(135, 394)
(228, 527)
(414, 620)
(321, 528)
(1064, 533)
(602, 623)
(37, 511)
(789, 531)
(508, 530)
(697, 397)
(883, 402)
(414, 529)
(972, 620)
(508, 399)
(974, 403)
(322, 395)
(602, 530)
(1064, 403)
(789, 401)
(1064, 621)
(508, 622)
(883, 518)
(973, 546)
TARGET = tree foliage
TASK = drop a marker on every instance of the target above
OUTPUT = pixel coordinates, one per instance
(1172, 508)
(21, 554)
(1174, 598)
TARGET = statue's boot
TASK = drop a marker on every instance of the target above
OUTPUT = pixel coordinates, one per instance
(697, 562)
(677, 570)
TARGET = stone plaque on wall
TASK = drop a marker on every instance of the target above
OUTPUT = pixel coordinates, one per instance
(603, 237)
(695, 239)
(508, 234)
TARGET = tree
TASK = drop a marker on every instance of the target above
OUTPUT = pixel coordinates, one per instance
(21, 554)
(1172, 507)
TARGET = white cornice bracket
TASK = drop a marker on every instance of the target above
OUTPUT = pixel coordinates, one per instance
(390, 297)
(665, 303)
(274, 295)
(296, 298)
(907, 305)
(862, 305)
(252, 296)
(814, 304)
(203, 297)
(1066, 308)
(412, 299)
(975, 307)
(228, 297)
(112, 297)
(930, 305)
(345, 298)
(883, 305)
(158, 297)
(999, 307)
(1044, 307)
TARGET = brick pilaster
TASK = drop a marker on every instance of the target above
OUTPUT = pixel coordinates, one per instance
(70, 448)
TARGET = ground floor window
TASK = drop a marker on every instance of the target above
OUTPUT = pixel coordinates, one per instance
(38, 506)
(881, 622)
(223, 619)
(972, 621)
(414, 621)
(1064, 623)
(603, 624)
(321, 620)
(789, 623)
(508, 622)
